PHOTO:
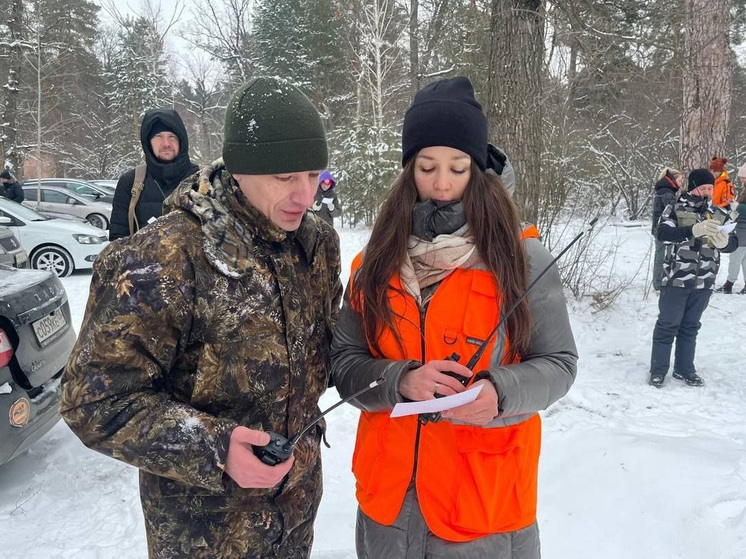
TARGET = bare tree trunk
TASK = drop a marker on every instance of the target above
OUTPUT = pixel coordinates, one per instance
(414, 46)
(707, 80)
(514, 94)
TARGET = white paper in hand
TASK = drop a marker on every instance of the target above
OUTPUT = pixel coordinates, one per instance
(439, 404)
(327, 200)
(728, 227)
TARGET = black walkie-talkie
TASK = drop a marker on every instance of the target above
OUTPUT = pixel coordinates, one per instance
(279, 448)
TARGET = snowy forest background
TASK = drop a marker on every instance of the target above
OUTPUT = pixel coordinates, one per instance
(589, 99)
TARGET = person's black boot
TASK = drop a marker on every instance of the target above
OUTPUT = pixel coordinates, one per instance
(691, 379)
(743, 291)
(727, 288)
(656, 379)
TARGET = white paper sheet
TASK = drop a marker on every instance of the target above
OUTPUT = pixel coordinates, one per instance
(439, 404)
(728, 227)
(327, 200)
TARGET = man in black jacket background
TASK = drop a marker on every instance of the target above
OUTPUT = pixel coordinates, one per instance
(166, 146)
(13, 190)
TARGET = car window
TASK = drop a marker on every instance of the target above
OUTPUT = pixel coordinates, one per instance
(81, 189)
(55, 197)
(13, 221)
(30, 194)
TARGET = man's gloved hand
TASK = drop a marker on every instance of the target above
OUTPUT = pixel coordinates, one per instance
(705, 228)
(316, 206)
(719, 239)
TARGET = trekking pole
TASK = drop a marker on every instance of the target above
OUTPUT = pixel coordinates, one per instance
(477, 356)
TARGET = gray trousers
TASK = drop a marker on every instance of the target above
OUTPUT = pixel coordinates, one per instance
(409, 538)
(679, 311)
(660, 250)
(737, 259)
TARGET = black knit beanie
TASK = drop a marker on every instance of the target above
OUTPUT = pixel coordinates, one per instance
(5, 174)
(270, 128)
(698, 177)
(158, 127)
(446, 113)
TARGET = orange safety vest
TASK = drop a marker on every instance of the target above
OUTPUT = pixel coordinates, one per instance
(471, 481)
(723, 192)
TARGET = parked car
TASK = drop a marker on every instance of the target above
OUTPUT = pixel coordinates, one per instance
(36, 338)
(57, 245)
(55, 199)
(11, 251)
(88, 189)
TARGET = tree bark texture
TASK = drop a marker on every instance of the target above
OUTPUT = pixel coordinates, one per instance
(514, 93)
(707, 81)
(8, 141)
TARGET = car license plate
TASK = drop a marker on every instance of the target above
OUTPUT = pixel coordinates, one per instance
(21, 259)
(46, 327)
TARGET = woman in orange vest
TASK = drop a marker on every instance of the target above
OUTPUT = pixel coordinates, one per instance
(722, 193)
(446, 259)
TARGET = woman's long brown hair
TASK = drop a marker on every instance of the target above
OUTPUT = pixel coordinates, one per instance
(496, 228)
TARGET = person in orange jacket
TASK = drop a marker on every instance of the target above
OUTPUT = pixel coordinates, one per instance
(722, 193)
(446, 259)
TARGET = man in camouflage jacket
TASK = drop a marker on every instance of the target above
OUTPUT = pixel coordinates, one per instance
(212, 326)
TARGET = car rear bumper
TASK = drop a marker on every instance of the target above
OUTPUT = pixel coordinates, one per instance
(44, 414)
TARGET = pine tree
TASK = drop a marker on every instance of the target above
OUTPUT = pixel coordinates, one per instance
(136, 80)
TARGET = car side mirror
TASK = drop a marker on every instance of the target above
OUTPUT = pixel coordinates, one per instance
(4, 220)
(72, 201)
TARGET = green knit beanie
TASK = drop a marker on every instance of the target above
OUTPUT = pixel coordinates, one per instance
(272, 128)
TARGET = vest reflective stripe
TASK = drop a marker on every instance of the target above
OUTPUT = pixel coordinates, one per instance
(470, 481)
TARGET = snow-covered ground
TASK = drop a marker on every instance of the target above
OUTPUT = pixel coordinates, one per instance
(627, 470)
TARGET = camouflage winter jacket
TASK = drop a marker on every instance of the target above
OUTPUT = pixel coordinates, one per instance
(209, 318)
(691, 262)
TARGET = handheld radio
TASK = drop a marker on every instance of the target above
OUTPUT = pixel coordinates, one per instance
(279, 448)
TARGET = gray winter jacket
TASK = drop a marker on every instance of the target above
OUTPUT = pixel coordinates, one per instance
(741, 225)
(544, 375)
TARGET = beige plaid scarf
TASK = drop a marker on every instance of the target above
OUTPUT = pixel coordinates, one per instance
(429, 262)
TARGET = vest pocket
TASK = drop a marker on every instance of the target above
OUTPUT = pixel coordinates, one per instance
(489, 493)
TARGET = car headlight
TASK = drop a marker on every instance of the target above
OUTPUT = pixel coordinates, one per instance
(87, 239)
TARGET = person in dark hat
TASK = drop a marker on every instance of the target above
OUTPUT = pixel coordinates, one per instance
(447, 258)
(690, 230)
(326, 203)
(140, 192)
(209, 329)
(12, 188)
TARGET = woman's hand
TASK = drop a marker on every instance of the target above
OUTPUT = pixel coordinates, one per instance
(479, 412)
(427, 381)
